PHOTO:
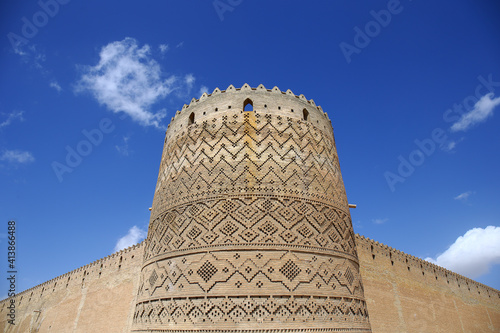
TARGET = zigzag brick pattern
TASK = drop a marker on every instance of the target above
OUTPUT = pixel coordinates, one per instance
(250, 229)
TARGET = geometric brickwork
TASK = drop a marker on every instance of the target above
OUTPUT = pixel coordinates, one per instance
(283, 272)
(203, 313)
(250, 228)
(287, 277)
(257, 219)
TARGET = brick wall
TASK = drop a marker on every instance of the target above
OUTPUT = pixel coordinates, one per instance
(408, 294)
(98, 297)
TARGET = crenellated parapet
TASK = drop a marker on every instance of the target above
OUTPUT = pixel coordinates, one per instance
(233, 100)
(81, 276)
(421, 270)
(247, 88)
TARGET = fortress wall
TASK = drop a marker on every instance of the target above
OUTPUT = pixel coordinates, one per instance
(423, 298)
(98, 297)
(407, 294)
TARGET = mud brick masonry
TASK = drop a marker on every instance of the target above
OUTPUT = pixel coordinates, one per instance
(250, 231)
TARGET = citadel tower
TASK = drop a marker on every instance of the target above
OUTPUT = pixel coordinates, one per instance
(250, 227)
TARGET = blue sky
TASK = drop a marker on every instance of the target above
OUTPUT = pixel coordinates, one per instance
(412, 88)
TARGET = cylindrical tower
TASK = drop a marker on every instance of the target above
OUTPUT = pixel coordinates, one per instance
(250, 227)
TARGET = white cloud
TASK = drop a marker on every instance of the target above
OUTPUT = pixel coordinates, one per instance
(380, 221)
(472, 254)
(482, 110)
(203, 89)
(163, 48)
(189, 80)
(123, 149)
(55, 85)
(10, 117)
(448, 146)
(128, 80)
(30, 54)
(463, 196)
(134, 236)
(17, 156)
(181, 44)
(19, 49)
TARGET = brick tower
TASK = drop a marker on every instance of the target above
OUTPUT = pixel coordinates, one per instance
(250, 227)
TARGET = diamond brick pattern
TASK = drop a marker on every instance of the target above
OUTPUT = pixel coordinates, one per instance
(207, 271)
(290, 270)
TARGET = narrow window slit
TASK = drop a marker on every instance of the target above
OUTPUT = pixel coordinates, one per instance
(305, 114)
(248, 105)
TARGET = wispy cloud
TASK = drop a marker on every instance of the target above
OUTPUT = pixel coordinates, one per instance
(203, 89)
(55, 85)
(181, 44)
(189, 80)
(35, 58)
(30, 54)
(17, 156)
(134, 236)
(472, 254)
(123, 148)
(481, 111)
(11, 117)
(164, 48)
(127, 79)
(380, 221)
(449, 145)
(464, 196)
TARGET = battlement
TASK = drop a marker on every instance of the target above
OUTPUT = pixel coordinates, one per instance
(111, 264)
(421, 269)
(246, 88)
(270, 101)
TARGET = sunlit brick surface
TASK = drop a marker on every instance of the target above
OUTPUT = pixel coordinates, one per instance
(250, 228)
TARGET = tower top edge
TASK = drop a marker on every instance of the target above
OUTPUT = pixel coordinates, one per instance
(247, 88)
(236, 98)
